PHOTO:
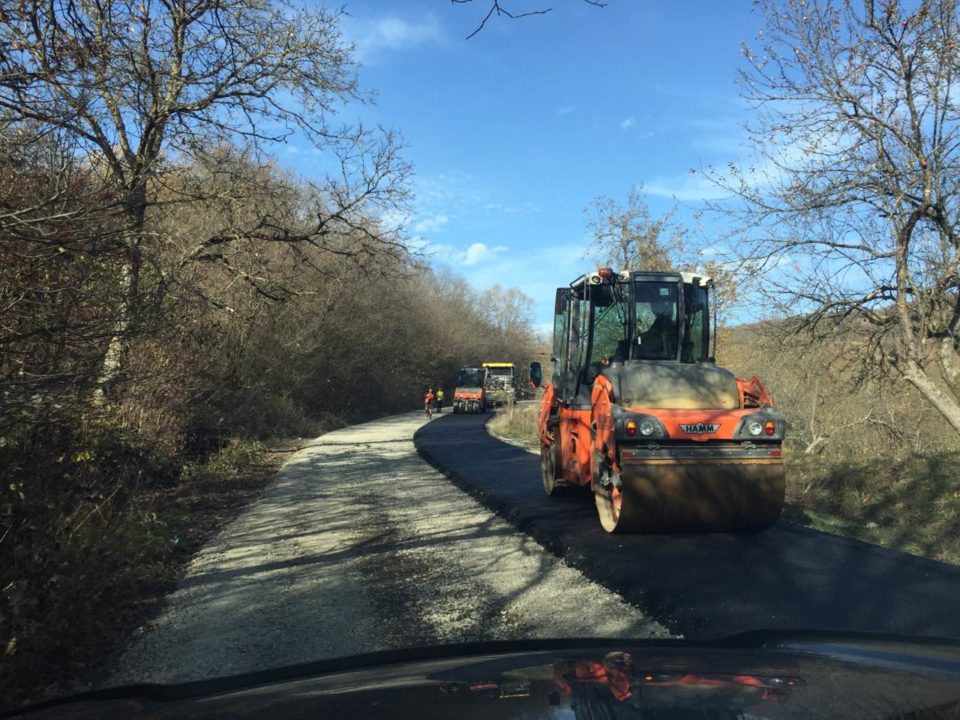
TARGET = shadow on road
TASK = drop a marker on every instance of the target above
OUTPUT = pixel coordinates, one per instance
(359, 546)
(706, 584)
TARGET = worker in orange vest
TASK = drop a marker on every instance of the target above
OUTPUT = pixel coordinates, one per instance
(428, 402)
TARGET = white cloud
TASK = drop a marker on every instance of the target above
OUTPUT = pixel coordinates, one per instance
(711, 250)
(394, 219)
(758, 173)
(481, 252)
(474, 255)
(566, 109)
(687, 187)
(436, 194)
(628, 123)
(393, 33)
(431, 224)
(535, 272)
(456, 198)
(531, 269)
(507, 209)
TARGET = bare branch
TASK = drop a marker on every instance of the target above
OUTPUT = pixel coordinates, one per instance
(850, 214)
(496, 8)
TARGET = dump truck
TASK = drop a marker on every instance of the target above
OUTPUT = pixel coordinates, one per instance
(470, 395)
(638, 410)
(501, 385)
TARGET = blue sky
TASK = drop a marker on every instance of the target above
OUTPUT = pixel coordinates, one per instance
(513, 132)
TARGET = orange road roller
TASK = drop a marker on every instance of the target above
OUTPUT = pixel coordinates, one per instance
(638, 410)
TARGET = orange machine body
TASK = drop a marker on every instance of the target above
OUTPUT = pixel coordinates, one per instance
(682, 445)
(585, 435)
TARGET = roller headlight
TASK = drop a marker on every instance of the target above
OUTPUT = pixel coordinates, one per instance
(763, 425)
(635, 426)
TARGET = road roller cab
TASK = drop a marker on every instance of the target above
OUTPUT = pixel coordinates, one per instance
(470, 395)
(501, 384)
(638, 411)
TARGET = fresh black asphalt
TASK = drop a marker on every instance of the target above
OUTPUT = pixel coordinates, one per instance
(705, 585)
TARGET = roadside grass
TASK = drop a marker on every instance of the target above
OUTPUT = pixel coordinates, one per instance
(85, 571)
(908, 502)
(518, 423)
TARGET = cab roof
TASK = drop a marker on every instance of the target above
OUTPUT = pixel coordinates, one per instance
(593, 277)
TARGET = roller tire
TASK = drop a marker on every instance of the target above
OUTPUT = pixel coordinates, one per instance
(549, 474)
(609, 502)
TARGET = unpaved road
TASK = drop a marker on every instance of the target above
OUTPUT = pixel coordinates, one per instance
(359, 546)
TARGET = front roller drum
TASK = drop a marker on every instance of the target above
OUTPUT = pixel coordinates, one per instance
(693, 496)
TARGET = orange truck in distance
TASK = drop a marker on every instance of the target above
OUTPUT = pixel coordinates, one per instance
(470, 395)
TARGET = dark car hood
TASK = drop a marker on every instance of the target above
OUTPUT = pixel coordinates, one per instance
(767, 674)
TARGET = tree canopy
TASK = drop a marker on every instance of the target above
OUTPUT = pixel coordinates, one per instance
(853, 203)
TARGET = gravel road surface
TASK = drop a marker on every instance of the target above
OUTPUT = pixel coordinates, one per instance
(706, 585)
(357, 546)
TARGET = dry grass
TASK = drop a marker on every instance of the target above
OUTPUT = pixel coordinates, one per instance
(518, 423)
(909, 502)
(74, 595)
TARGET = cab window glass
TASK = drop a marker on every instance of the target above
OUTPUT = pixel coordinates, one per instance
(561, 338)
(610, 326)
(580, 329)
(658, 328)
(696, 342)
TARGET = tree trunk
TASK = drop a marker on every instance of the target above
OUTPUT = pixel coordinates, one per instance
(946, 405)
(115, 358)
(949, 365)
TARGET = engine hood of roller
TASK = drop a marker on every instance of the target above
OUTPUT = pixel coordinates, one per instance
(672, 385)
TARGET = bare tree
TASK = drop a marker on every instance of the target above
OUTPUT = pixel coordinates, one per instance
(507, 313)
(628, 237)
(140, 83)
(853, 203)
(58, 230)
(498, 8)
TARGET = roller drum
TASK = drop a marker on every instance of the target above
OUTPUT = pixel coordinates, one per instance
(667, 496)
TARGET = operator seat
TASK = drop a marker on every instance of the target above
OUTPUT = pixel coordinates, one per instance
(622, 353)
(656, 343)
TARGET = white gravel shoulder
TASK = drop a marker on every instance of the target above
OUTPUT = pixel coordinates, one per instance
(357, 546)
